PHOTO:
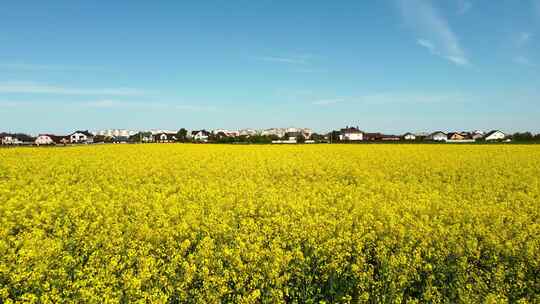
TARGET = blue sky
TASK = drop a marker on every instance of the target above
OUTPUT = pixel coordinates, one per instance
(391, 66)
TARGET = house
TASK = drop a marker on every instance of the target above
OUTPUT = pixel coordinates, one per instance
(49, 139)
(457, 136)
(351, 133)
(437, 136)
(294, 135)
(10, 140)
(225, 133)
(245, 132)
(477, 135)
(373, 136)
(81, 137)
(409, 136)
(120, 139)
(200, 135)
(164, 137)
(494, 135)
(389, 137)
(14, 139)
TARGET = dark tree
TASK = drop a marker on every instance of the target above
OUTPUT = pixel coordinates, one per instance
(181, 135)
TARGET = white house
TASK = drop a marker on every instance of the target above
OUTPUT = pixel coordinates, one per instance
(409, 136)
(201, 135)
(476, 135)
(247, 132)
(165, 137)
(352, 134)
(495, 135)
(81, 137)
(44, 139)
(10, 140)
(438, 136)
(227, 133)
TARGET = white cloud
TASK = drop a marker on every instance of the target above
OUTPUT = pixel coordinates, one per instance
(463, 6)
(196, 108)
(427, 44)
(290, 60)
(12, 104)
(46, 67)
(37, 88)
(108, 103)
(413, 98)
(327, 102)
(111, 104)
(437, 35)
(523, 60)
(523, 38)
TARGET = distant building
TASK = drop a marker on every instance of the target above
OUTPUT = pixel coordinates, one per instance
(16, 139)
(9, 139)
(494, 135)
(164, 137)
(437, 136)
(282, 132)
(50, 139)
(351, 134)
(477, 135)
(200, 135)
(385, 137)
(120, 139)
(247, 132)
(409, 136)
(457, 136)
(81, 137)
(373, 136)
(225, 133)
(115, 132)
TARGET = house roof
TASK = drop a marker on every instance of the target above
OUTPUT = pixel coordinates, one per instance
(204, 132)
(168, 135)
(408, 133)
(451, 134)
(351, 130)
(492, 132)
(438, 132)
(85, 132)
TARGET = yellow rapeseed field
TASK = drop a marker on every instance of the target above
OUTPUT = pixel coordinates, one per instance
(181, 223)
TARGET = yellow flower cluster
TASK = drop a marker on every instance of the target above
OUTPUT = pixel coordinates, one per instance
(270, 224)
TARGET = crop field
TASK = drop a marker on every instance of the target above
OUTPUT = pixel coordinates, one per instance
(182, 223)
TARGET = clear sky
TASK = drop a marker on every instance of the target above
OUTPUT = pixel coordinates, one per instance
(391, 66)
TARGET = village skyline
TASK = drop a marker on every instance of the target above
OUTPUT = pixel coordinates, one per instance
(348, 134)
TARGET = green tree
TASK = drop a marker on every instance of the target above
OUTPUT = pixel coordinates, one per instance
(181, 135)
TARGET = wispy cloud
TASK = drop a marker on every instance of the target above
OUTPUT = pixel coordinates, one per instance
(413, 98)
(463, 7)
(38, 88)
(12, 104)
(427, 44)
(301, 60)
(327, 102)
(523, 38)
(434, 32)
(388, 98)
(108, 104)
(523, 60)
(46, 67)
(521, 42)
